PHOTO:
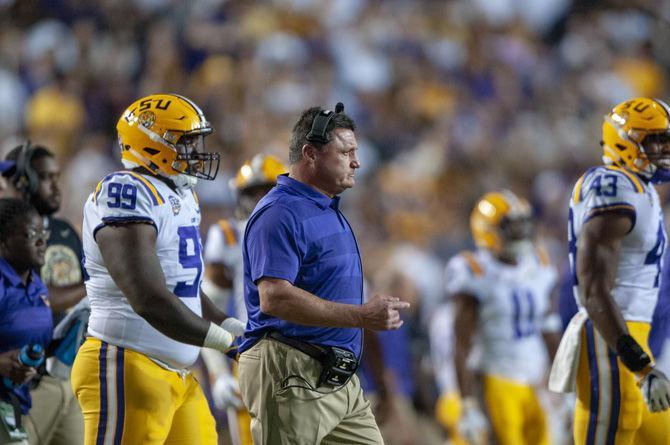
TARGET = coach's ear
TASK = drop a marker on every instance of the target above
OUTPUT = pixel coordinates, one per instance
(309, 153)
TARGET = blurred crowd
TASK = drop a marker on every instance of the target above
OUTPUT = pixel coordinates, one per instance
(451, 98)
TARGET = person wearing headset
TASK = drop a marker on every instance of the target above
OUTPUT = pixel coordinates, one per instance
(56, 417)
(303, 289)
(37, 176)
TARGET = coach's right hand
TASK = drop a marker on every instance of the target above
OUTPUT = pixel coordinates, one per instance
(382, 313)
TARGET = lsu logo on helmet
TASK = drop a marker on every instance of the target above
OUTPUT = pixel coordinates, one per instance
(629, 127)
(164, 133)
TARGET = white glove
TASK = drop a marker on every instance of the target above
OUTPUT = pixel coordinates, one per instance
(473, 425)
(234, 326)
(226, 393)
(655, 389)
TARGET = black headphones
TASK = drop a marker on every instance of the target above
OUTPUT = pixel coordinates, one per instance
(25, 178)
(317, 134)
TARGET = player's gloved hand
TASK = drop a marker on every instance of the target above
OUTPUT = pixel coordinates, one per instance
(226, 393)
(473, 425)
(234, 326)
(655, 389)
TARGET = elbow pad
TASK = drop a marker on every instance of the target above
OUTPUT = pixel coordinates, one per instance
(631, 353)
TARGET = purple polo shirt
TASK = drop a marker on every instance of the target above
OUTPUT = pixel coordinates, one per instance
(299, 234)
(24, 318)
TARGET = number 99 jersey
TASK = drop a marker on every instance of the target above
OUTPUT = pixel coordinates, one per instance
(607, 189)
(135, 198)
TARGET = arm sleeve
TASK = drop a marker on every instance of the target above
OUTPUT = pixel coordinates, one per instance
(461, 279)
(274, 246)
(125, 199)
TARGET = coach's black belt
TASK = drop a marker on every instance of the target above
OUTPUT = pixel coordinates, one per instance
(338, 365)
(314, 351)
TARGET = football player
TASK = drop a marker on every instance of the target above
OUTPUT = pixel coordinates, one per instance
(501, 297)
(224, 280)
(144, 267)
(616, 238)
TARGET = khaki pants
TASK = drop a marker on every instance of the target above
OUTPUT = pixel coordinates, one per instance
(275, 382)
(55, 417)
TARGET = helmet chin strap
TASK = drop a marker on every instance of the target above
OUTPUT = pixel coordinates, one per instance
(181, 181)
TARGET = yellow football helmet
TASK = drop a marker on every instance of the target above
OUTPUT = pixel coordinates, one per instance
(631, 132)
(165, 133)
(491, 217)
(253, 180)
(260, 170)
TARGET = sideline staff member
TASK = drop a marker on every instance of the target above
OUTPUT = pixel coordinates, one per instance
(304, 297)
(25, 317)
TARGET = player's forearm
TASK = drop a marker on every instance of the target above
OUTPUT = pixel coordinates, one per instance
(606, 317)
(64, 297)
(209, 310)
(464, 377)
(466, 317)
(168, 315)
(281, 299)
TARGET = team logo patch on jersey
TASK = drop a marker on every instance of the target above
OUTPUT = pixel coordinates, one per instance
(176, 206)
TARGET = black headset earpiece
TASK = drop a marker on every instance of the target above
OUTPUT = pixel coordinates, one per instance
(25, 178)
(318, 134)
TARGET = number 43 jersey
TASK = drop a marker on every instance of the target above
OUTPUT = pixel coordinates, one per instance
(608, 189)
(135, 198)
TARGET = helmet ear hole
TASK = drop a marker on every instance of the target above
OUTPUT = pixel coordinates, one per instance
(620, 147)
(151, 151)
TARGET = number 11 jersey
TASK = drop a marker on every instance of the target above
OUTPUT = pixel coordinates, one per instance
(130, 197)
(610, 189)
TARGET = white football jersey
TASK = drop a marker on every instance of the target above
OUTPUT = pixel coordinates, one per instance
(132, 197)
(612, 189)
(223, 247)
(513, 301)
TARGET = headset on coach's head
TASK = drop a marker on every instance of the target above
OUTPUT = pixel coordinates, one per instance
(25, 177)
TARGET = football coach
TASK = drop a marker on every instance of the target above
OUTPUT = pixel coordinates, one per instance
(304, 296)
